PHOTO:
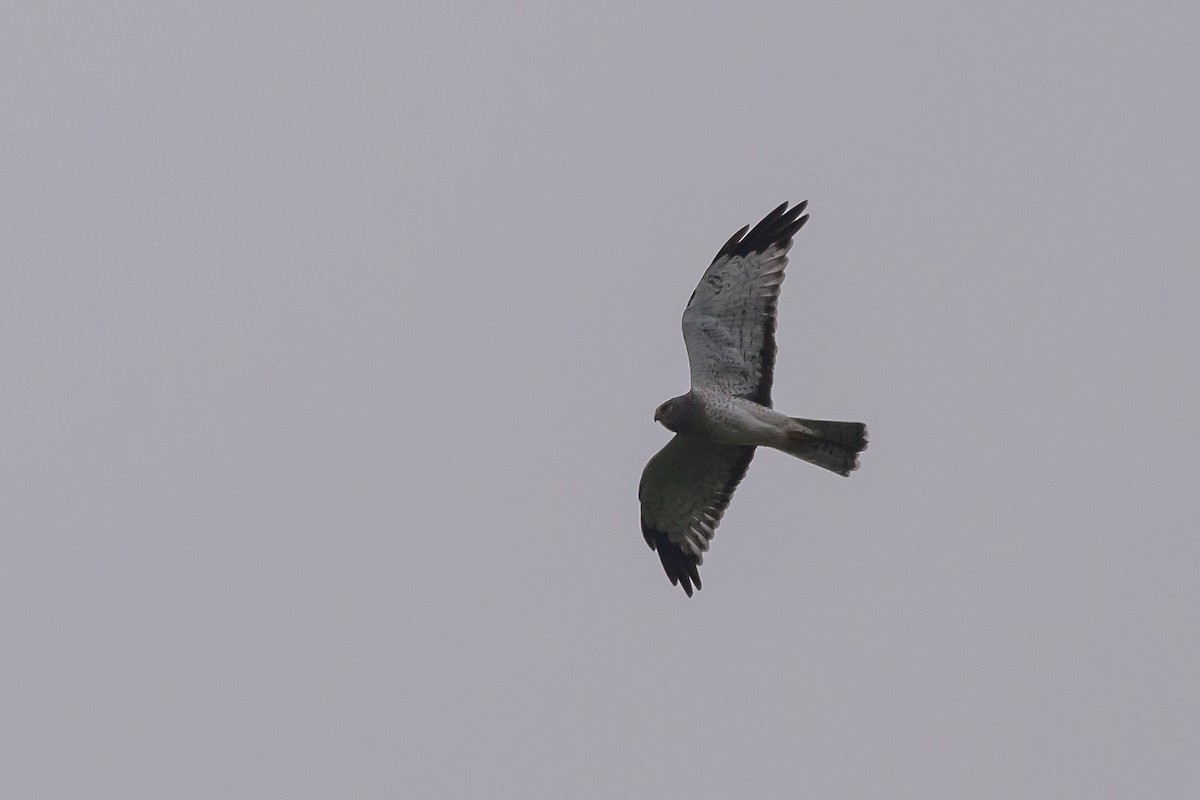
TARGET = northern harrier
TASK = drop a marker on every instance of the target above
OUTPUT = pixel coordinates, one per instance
(729, 330)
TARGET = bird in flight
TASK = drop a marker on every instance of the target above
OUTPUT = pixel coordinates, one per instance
(729, 331)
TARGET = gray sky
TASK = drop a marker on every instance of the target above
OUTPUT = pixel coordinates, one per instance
(332, 336)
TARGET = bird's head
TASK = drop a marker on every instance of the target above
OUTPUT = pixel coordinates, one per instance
(675, 413)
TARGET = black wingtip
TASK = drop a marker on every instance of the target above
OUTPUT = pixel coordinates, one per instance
(680, 567)
(775, 229)
(733, 240)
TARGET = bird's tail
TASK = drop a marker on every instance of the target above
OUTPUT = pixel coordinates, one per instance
(832, 445)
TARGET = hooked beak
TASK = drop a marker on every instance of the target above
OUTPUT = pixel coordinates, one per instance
(657, 415)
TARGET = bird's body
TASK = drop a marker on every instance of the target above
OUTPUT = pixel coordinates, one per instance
(727, 419)
(729, 330)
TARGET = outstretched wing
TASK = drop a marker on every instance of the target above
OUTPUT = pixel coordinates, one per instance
(729, 323)
(684, 492)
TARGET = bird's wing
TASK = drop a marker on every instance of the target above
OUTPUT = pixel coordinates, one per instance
(684, 491)
(729, 322)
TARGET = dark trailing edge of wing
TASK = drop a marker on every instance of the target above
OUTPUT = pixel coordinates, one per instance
(682, 567)
(776, 228)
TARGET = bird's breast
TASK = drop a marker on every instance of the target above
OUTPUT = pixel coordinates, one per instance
(735, 420)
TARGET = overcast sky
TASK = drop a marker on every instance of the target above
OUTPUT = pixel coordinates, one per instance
(332, 337)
